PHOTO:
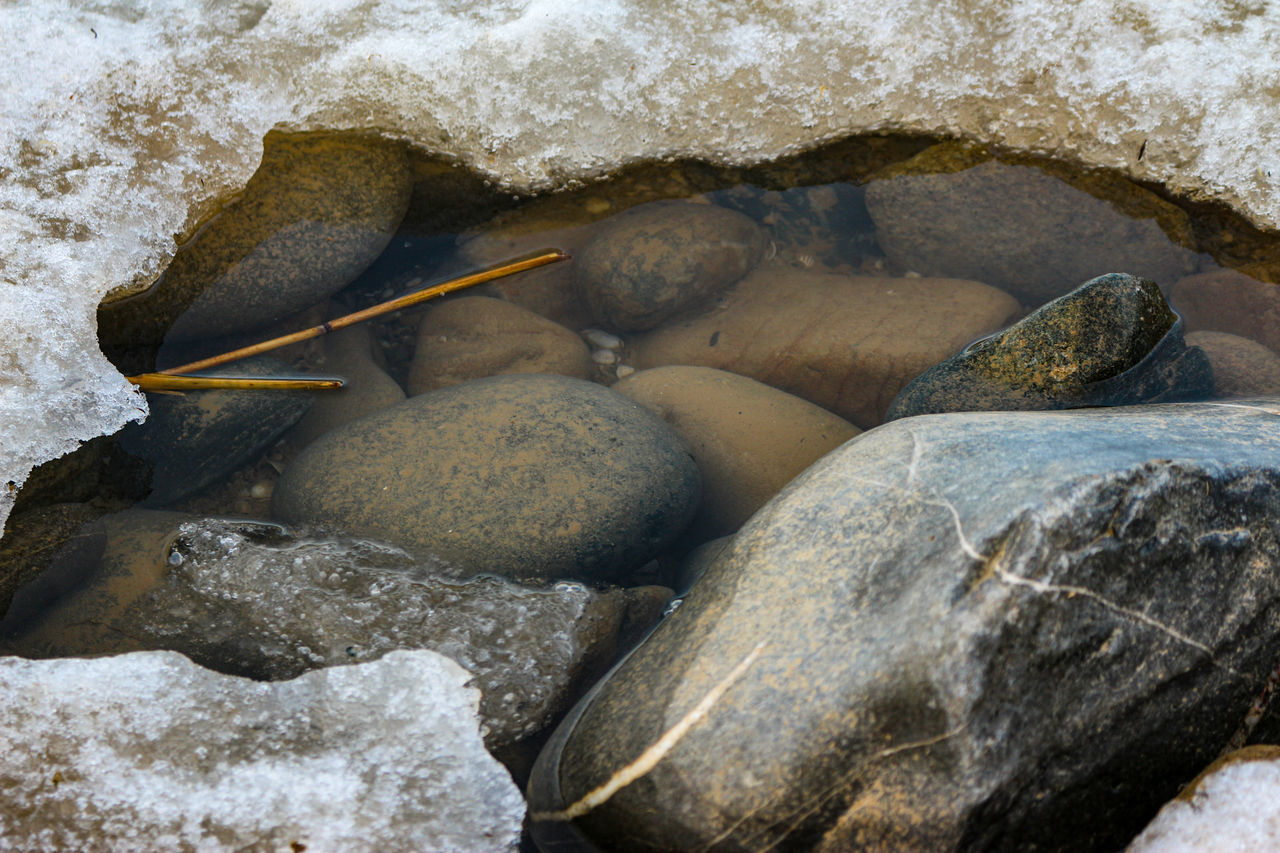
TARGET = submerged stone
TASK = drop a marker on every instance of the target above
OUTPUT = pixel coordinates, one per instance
(651, 262)
(959, 632)
(1230, 301)
(194, 438)
(748, 439)
(319, 209)
(846, 343)
(476, 336)
(257, 600)
(529, 476)
(149, 751)
(1031, 227)
(1241, 367)
(1112, 341)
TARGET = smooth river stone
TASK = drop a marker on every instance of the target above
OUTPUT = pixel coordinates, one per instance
(651, 262)
(320, 208)
(1032, 227)
(846, 343)
(529, 476)
(1112, 341)
(476, 336)
(1241, 367)
(748, 439)
(1230, 301)
(987, 631)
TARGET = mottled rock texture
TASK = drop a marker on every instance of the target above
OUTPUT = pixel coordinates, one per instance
(654, 261)
(1112, 341)
(529, 476)
(957, 632)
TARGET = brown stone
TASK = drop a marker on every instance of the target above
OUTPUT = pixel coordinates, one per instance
(476, 336)
(1228, 301)
(846, 343)
(320, 208)
(1241, 367)
(748, 439)
(347, 353)
(651, 262)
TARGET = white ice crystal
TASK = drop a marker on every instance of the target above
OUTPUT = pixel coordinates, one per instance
(1235, 809)
(148, 751)
(121, 122)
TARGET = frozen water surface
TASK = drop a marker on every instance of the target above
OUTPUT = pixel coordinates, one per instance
(133, 118)
(148, 751)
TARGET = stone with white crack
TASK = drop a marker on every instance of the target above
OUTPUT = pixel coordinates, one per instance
(956, 632)
(150, 751)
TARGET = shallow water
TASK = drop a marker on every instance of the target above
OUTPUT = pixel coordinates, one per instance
(870, 267)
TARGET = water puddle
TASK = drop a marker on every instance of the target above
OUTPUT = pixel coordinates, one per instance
(502, 463)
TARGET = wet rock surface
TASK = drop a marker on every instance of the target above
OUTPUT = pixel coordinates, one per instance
(528, 476)
(151, 751)
(846, 343)
(1233, 805)
(651, 262)
(273, 603)
(194, 438)
(748, 439)
(1241, 367)
(959, 632)
(1028, 227)
(476, 336)
(319, 209)
(1112, 341)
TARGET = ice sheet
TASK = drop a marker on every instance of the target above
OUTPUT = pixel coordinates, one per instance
(132, 117)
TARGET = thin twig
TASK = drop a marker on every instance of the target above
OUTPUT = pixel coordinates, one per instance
(506, 268)
(166, 382)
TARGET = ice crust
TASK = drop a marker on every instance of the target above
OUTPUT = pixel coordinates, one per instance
(148, 751)
(132, 118)
(1235, 809)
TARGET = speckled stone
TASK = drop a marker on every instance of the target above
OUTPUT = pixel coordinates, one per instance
(1112, 341)
(319, 209)
(530, 476)
(476, 336)
(1032, 227)
(653, 261)
(979, 631)
(846, 343)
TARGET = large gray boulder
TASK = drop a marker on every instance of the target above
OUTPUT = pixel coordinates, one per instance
(964, 631)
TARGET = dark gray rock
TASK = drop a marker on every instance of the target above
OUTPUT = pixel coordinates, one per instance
(1032, 227)
(262, 601)
(958, 632)
(320, 208)
(650, 262)
(1112, 341)
(194, 438)
(530, 476)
